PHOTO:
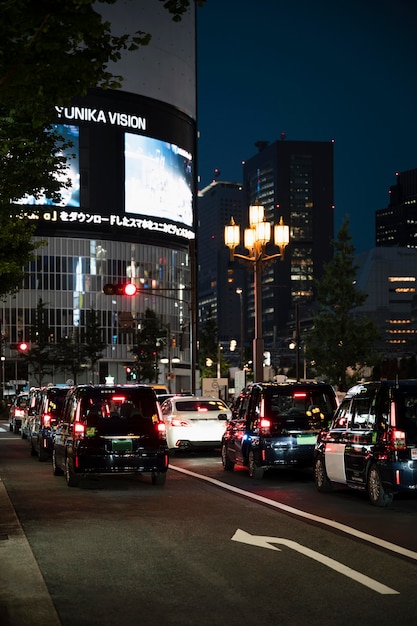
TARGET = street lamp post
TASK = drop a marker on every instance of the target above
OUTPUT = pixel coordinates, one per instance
(239, 292)
(256, 238)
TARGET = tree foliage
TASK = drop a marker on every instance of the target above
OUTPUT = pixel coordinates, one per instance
(147, 346)
(339, 340)
(51, 51)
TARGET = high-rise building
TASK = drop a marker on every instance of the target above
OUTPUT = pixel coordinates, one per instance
(292, 179)
(396, 225)
(129, 215)
(217, 278)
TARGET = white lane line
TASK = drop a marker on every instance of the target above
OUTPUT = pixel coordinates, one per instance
(358, 534)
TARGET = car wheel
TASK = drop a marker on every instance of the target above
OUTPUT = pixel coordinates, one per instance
(23, 435)
(255, 471)
(16, 429)
(57, 471)
(71, 477)
(42, 454)
(376, 492)
(159, 479)
(11, 427)
(32, 449)
(228, 465)
(321, 479)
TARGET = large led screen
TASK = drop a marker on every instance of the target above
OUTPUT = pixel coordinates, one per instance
(158, 179)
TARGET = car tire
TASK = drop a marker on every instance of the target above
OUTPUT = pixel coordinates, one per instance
(32, 449)
(23, 435)
(228, 465)
(71, 477)
(376, 492)
(321, 479)
(57, 471)
(16, 429)
(159, 479)
(255, 471)
(11, 427)
(42, 455)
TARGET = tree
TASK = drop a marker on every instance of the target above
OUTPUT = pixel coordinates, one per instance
(340, 340)
(147, 347)
(70, 355)
(93, 339)
(50, 53)
(40, 355)
(208, 346)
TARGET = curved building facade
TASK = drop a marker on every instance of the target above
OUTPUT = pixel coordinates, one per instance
(128, 215)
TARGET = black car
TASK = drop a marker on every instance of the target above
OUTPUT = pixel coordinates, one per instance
(276, 425)
(107, 430)
(47, 415)
(371, 444)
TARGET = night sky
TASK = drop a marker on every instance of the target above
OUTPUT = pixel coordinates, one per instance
(317, 70)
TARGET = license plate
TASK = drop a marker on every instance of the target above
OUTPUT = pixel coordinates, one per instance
(121, 445)
(414, 454)
(309, 440)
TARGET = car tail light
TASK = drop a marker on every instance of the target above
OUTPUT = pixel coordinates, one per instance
(162, 431)
(19, 413)
(396, 440)
(47, 420)
(178, 422)
(79, 429)
(202, 409)
(299, 394)
(119, 398)
(265, 427)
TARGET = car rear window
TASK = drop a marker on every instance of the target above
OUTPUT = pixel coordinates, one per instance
(56, 402)
(316, 405)
(200, 405)
(123, 404)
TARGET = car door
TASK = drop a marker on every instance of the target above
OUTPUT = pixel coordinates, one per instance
(359, 437)
(333, 443)
(236, 430)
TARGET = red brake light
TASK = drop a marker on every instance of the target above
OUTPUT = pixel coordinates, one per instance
(161, 428)
(79, 428)
(397, 440)
(47, 419)
(299, 394)
(265, 427)
(202, 409)
(119, 398)
(178, 422)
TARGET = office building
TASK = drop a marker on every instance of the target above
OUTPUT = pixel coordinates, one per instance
(292, 179)
(396, 225)
(217, 278)
(388, 275)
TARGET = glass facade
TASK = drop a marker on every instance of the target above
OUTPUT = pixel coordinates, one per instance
(68, 275)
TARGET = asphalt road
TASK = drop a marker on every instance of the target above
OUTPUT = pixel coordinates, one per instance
(211, 547)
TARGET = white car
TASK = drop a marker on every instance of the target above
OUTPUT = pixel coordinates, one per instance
(194, 423)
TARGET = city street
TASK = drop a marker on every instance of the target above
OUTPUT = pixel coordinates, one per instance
(211, 547)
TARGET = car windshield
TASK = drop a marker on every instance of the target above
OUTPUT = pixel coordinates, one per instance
(202, 406)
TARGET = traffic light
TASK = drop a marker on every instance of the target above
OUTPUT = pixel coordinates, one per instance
(22, 346)
(120, 289)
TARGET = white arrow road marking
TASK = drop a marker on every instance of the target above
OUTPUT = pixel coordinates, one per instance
(265, 542)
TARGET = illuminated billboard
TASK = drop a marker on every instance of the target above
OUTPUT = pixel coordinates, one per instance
(131, 165)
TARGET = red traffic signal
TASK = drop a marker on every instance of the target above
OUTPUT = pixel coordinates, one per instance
(120, 289)
(22, 346)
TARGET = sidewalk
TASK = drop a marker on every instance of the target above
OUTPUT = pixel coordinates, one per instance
(24, 598)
